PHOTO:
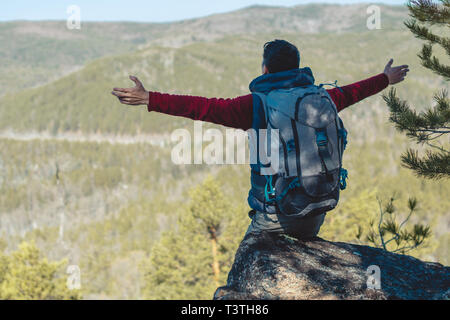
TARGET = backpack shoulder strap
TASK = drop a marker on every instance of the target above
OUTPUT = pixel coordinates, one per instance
(263, 98)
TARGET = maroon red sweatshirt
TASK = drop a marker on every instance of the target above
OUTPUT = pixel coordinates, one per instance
(237, 112)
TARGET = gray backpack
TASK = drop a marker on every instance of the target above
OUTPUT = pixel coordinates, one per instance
(312, 139)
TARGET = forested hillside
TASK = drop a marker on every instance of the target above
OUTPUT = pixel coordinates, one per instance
(78, 101)
(35, 53)
(133, 221)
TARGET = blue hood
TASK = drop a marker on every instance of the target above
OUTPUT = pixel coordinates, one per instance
(285, 79)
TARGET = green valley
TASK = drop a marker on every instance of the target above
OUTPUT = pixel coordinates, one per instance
(77, 179)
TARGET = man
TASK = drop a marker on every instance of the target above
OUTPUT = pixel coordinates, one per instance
(280, 68)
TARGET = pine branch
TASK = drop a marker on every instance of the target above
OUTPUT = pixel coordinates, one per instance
(433, 63)
(432, 165)
(443, 102)
(429, 11)
(424, 33)
(437, 147)
(418, 235)
(412, 204)
(422, 127)
(380, 231)
(405, 249)
(405, 240)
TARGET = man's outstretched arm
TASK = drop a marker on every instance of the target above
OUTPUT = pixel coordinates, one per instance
(237, 112)
(234, 113)
(347, 95)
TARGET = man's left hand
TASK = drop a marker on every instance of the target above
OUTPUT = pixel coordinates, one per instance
(395, 74)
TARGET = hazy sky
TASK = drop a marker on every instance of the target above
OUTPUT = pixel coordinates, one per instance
(139, 10)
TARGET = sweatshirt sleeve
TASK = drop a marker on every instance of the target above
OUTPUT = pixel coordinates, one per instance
(237, 112)
(358, 91)
(234, 113)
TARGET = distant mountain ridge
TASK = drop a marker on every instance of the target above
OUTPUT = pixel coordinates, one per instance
(35, 53)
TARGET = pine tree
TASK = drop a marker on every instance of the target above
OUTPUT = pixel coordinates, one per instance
(193, 259)
(25, 275)
(429, 126)
(393, 236)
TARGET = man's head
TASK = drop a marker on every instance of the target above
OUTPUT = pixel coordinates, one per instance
(280, 55)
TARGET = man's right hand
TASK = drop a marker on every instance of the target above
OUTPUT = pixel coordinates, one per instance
(132, 96)
(395, 74)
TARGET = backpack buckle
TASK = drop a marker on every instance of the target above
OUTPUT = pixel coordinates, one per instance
(321, 139)
(343, 176)
(272, 195)
(343, 134)
(269, 190)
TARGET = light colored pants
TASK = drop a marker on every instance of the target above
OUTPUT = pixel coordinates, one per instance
(296, 227)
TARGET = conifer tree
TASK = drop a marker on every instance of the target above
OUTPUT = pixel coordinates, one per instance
(429, 126)
(387, 233)
(194, 258)
(25, 275)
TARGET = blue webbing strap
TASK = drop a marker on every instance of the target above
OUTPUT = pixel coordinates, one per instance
(270, 195)
(343, 177)
(334, 84)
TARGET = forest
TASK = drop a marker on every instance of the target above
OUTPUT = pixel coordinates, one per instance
(136, 224)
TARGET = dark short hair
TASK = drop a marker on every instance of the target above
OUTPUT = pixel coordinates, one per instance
(280, 55)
